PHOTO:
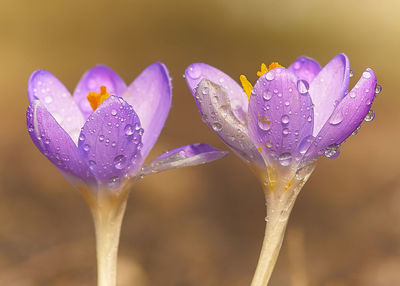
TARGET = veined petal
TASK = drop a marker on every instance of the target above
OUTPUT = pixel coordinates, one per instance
(52, 140)
(328, 88)
(53, 95)
(189, 155)
(238, 99)
(215, 108)
(150, 94)
(305, 68)
(91, 81)
(110, 142)
(280, 116)
(347, 116)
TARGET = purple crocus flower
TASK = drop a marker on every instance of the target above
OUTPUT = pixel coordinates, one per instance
(282, 125)
(106, 147)
(99, 138)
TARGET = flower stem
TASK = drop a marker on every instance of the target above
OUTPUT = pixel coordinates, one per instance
(276, 222)
(108, 210)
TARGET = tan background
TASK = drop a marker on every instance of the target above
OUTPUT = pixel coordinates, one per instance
(202, 225)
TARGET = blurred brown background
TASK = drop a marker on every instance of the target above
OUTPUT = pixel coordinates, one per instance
(201, 226)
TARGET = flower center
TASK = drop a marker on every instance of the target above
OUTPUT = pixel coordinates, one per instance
(247, 86)
(95, 99)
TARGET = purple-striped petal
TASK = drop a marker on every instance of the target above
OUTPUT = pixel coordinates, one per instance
(92, 80)
(280, 116)
(214, 106)
(328, 88)
(52, 140)
(189, 155)
(238, 99)
(150, 94)
(53, 95)
(305, 68)
(347, 116)
(110, 141)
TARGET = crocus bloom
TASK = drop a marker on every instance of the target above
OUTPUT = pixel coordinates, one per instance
(105, 147)
(99, 138)
(280, 127)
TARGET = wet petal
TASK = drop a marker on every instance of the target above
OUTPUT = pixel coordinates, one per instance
(238, 99)
(110, 141)
(189, 155)
(150, 94)
(328, 88)
(280, 116)
(57, 100)
(347, 116)
(52, 140)
(305, 68)
(214, 106)
(92, 80)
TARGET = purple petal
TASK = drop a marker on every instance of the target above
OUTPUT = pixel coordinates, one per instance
(238, 99)
(328, 88)
(213, 103)
(347, 116)
(189, 155)
(110, 141)
(57, 100)
(91, 81)
(280, 116)
(305, 68)
(150, 94)
(52, 140)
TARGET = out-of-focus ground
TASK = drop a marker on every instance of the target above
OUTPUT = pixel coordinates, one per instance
(202, 225)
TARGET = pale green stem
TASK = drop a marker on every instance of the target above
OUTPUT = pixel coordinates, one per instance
(108, 210)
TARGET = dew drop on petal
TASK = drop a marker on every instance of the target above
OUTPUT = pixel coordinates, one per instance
(285, 131)
(113, 112)
(285, 119)
(378, 89)
(269, 76)
(48, 99)
(92, 164)
(267, 95)
(332, 151)
(302, 86)
(366, 74)
(128, 130)
(101, 138)
(264, 123)
(86, 147)
(194, 72)
(113, 182)
(356, 131)
(216, 126)
(351, 73)
(370, 116)
(305, 144)
(336, 118)
(285, 159)
(120, 162)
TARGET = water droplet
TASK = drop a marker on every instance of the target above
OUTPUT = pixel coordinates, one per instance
(370, 116)
(351, 73)
(332, 151)
(336, 118)
(269, 144)
(305, 144)
(120, 162)
(285, 119)
(285, 131)
(47, 141)
(309, 118)
(287, 103)
(129, 130)
(113, 112)
(267, 95)
(101, 138)
(356, 131)
(113, 144)
(366, 74)
(378, 89)
(30, 128)
(302, 86)
(264, 123)
(114, 182)
(48, 99)
(86, 147)
(194, 72)
(216, 126)
(92, 164)
(276, 91)
(285, 159)
(270, 75)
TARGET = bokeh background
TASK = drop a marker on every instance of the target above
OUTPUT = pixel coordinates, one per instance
(202, 225)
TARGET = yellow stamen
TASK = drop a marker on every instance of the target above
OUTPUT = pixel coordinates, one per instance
(259, 149)
(95, 99)
(247, 86)
(263, 70)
